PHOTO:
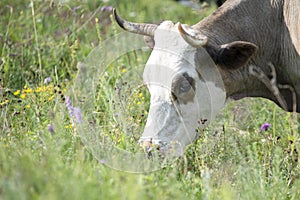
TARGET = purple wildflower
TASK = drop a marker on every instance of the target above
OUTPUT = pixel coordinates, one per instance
(102, 161)
(47, 80)
(69, 106)
(51, 128)
(77, 115)
(73, 112)
(68, 101)
(264, 127)
(75, 8)
(107, 9)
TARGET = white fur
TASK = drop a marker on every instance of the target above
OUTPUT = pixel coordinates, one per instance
(170, 122)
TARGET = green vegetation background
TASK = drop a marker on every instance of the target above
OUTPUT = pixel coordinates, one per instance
(41, 39)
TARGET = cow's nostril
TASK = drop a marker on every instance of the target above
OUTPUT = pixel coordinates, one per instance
(149, 154)
(148, 150)
(150, 147)
(147, 144)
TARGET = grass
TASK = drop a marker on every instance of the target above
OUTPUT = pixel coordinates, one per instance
(231, 159)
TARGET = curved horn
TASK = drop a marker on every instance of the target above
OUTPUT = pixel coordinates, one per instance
(142, 29)
(192, 36)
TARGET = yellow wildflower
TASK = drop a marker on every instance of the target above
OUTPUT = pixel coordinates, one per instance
(27, 106)
(139, 103)
(124, 70)
(43, 89)
(69, 126)
(51, 98)
(23, 96)
(17, 92)
(28, 90)
(37, 90)
(50, 87)
(4, 102)
(140, 95)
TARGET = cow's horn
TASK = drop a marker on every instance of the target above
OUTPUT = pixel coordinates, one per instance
(192, 36)
(142, 29)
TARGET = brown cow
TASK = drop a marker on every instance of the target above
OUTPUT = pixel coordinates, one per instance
(254, 46)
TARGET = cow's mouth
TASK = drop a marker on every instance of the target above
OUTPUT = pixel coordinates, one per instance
(164, 150)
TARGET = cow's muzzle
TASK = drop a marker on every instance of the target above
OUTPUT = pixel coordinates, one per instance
(162, 149)
(153, 146)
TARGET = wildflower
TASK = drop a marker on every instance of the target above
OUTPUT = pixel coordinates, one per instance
(96, 20)
(75, 8)
(27, 106)
(17, 92)
(124, 70)
(23, 96)
(138, 103)
(263, 140)
(69, 126)
(116, 115)
(69, 106)
(4, 102)
(140, 95)
(73, 112)
(102, 161)
(51, 128)
(27, 90)
(51, 98)
(16, 113)
(107, 9)
(37, 90)
(77, 115)
(47, 80)
(264, 127)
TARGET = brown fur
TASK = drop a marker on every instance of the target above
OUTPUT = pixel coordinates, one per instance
(271, 25)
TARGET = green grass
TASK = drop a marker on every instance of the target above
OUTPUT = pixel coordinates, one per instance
(231, 159)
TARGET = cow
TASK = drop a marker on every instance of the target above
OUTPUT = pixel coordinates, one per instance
(218, 2)
(253, 44)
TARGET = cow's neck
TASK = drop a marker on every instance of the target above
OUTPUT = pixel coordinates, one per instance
(245, 20)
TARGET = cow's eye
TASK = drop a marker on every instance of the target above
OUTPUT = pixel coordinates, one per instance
(185, 86)
(181, 85)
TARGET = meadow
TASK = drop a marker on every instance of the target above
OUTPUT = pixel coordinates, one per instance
(45, 92)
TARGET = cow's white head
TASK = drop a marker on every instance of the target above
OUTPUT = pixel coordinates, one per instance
(180, 96)
(186, 88)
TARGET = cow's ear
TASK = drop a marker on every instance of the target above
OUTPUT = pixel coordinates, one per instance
(234, 55)
(149, 41)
